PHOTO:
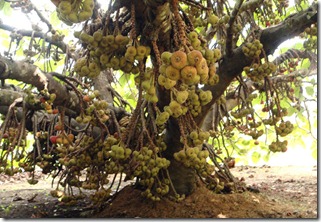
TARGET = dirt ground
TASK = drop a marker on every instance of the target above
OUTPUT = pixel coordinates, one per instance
(284, 192)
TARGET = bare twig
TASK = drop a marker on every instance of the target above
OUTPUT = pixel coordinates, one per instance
(229, 31)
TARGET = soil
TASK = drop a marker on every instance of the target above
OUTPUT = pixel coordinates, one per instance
(277, 192)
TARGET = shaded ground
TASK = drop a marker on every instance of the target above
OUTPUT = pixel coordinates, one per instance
(285, 192)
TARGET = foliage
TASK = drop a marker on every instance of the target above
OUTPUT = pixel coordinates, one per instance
(147, 88)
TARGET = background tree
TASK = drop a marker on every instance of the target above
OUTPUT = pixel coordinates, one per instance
(196, 73)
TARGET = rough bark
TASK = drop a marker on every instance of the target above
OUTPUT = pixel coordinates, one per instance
(31, 74)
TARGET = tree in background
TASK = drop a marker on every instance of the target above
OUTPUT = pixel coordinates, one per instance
(155, 91)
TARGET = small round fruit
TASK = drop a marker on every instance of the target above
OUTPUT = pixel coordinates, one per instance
(188, 74)
(131, 50)
(53, 139)
(84, 15)
(166, 57)
(64, 7)
(179, 59)
(98, 35)
(86, 98)
(181, 96)
(212, 19)
(141, 50)
(193, 36)
(172, 73)
(202, 68)
(194, 57)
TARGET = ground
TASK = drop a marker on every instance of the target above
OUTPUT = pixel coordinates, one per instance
(278, 192)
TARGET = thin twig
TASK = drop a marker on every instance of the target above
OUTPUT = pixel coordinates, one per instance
(229, 31)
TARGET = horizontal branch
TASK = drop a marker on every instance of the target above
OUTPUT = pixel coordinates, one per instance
(31, 74)
(271, 38)
(36, 34)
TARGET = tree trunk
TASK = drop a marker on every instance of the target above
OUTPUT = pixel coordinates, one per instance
(183, 178)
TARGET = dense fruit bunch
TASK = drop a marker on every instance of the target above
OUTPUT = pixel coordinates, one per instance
(192, 67)
(87, 68)
(75, 11)
(284, 128)
(242, 113)
(109, 51)
(146, 165)
(148, 85)
(183, 100)
(194, 157)
(96, 110)
(188, 68)
(257, 72)
(311, 35)
(252, 49)
(255, 134)
(197, 138)
(278, 146)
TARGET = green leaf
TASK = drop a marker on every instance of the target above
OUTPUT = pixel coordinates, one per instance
(314, 151)
(123, 79)
(305, 63)
(54, 20)
(242, 152)
(6, 9)
(298, 45)
(245, 142)
(255, 156)
(291, 110)
(309, 90)
(266, 157)
(2, 2)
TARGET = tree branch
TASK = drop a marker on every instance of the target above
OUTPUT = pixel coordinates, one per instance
(41, 16)
(36, 34)
(229, 31)
(31, 74)
(292, 26)
(271, 38)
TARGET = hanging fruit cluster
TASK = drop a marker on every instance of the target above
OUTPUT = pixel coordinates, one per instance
(148, 85)
(147, 165)
(311, 34)
(252, 49)
(257, 72)
(284, 128)
(278, 146)
(195, 158)
(96, 111)
(109, 51)
(75, 11)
